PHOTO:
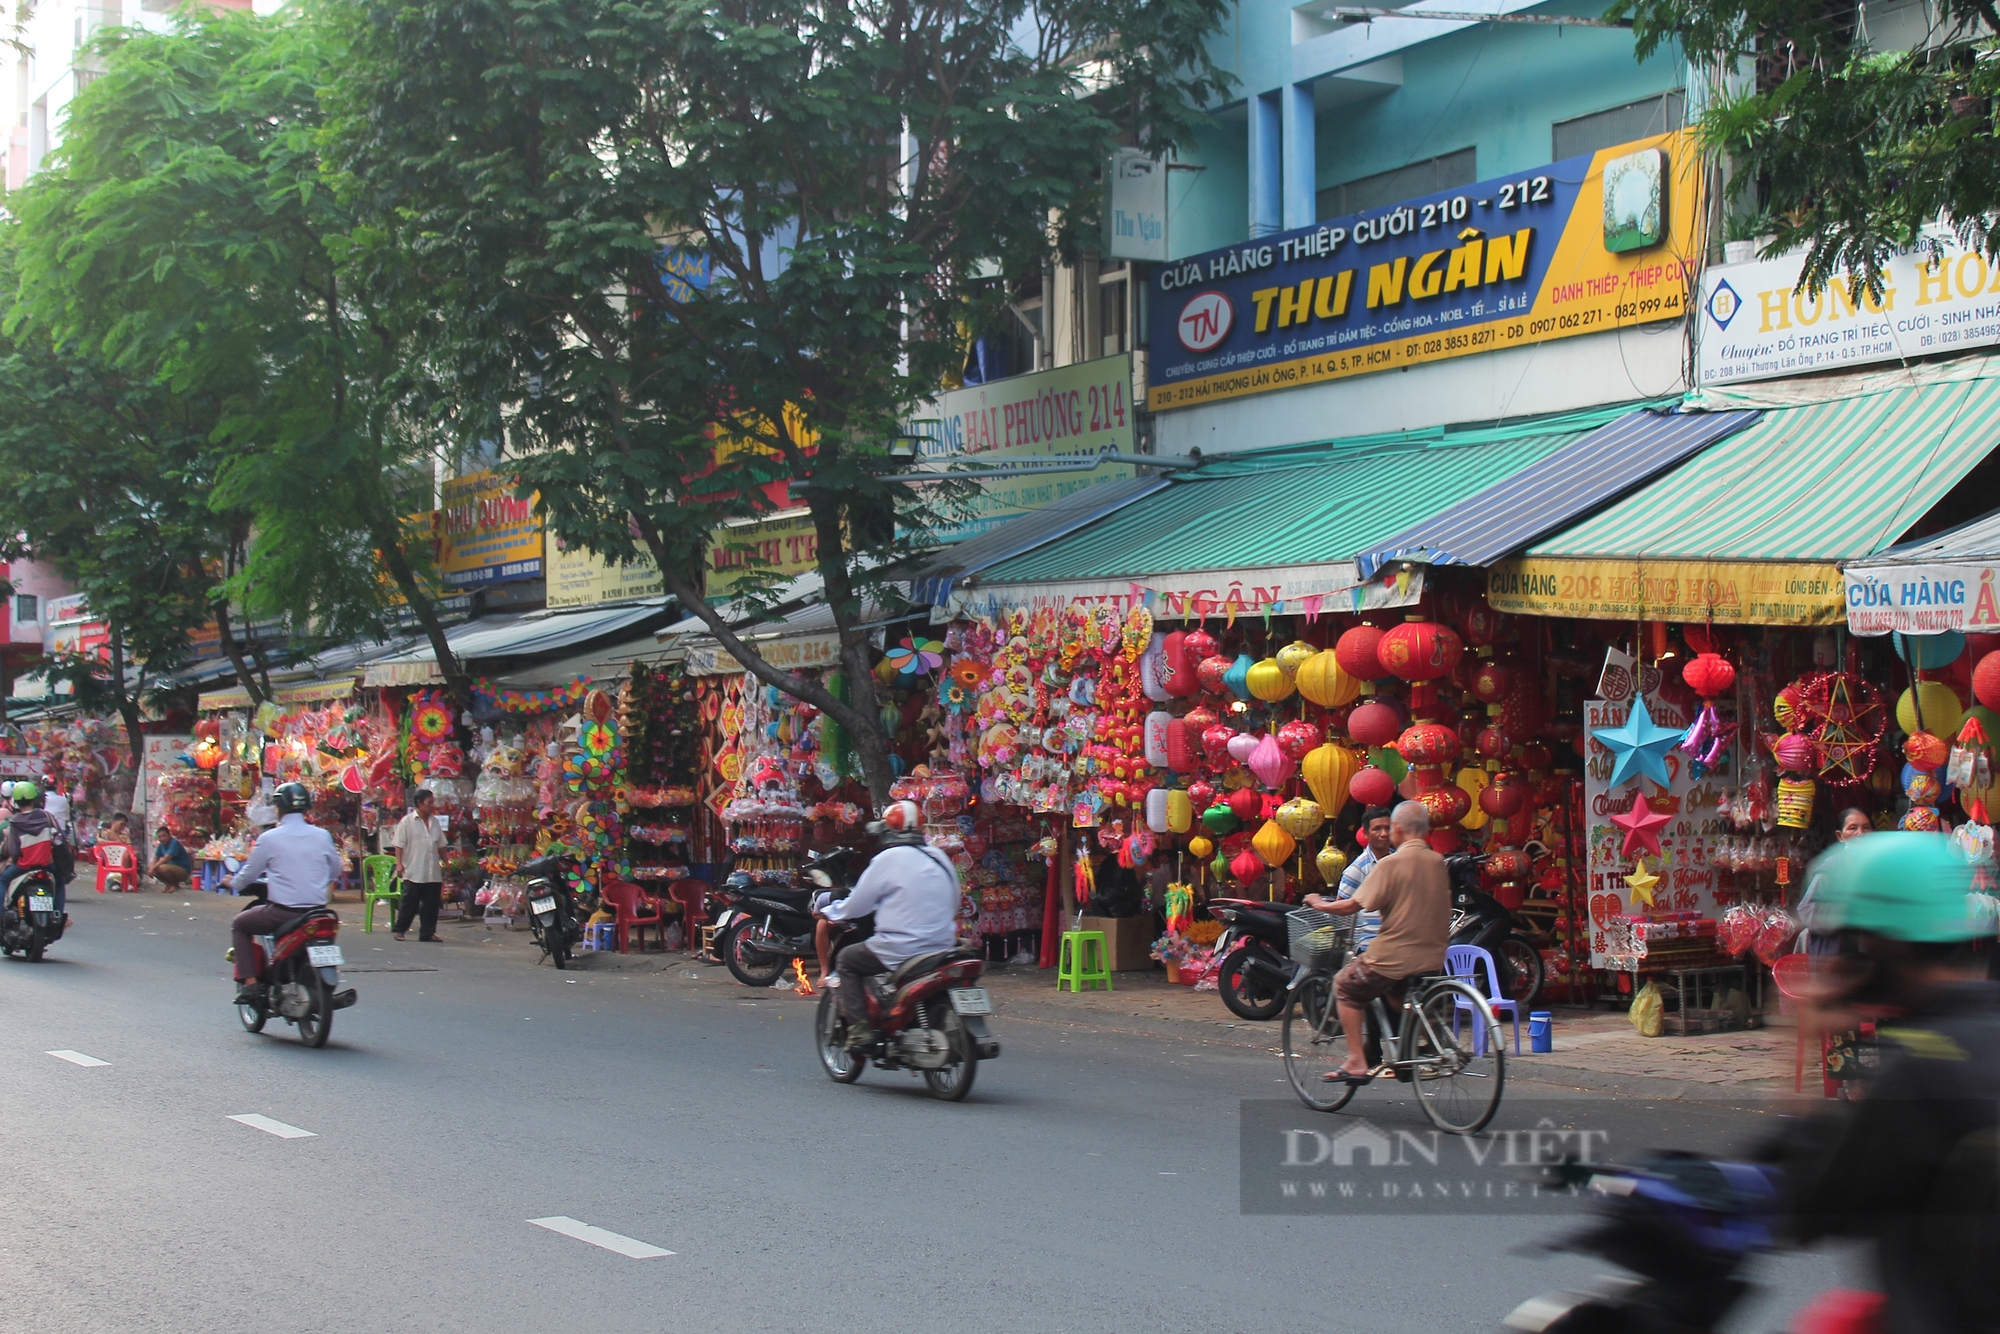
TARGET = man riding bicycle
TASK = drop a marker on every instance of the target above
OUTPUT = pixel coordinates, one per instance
(1411, 889)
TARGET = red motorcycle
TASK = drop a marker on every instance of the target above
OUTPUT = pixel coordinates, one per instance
(299, 968)
(927, 1016)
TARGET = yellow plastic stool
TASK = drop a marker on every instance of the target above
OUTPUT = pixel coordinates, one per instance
(1083, 960)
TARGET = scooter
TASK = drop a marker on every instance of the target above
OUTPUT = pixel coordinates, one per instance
(1254, 949)
(771, 925)
(30, 922)
(1480, 919)
(298, 966)
(555, 919)
(926, 1016)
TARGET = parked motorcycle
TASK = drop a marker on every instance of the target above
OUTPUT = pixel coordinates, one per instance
(771, 925)
(1254, 949)
(1480, 919)
(30, 922)
(299, 967)
(555, 918)
(926, 1015)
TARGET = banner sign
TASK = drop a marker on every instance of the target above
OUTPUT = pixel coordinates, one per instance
(485, 535)
(1922, 599)
(1301, 590)
(1135, 223)
(1580, 246)
(1756, 324)
(1073, 412)
(1733, 592)
(577, 578)
(797, 653)
(784, 546)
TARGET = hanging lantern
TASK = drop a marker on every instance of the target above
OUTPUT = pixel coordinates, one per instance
(1246, 804)
(1212, 673)
(1504, 798)
(1273, 844)
(1420, 650)
(1536, 757)
(1301, 817)
(1294, 656)
(1155, 742)
(1372, 787)
(1795, 802)
(1246, 866)
(1323, 681)
(207, 755)
(1447, 804)
(1356, 652)
(1473, 782)
(1481, 625)
(1942, 713)
(1709, 675)
(1177, 676)
(1925, 751)
(1794, 753)
(1927, 653)
(1268, 681)
(1493, 743)
(1328, 770)
(1215, 740)
(1374, 724)
(1201, 847)
(1490, 682)
(1237, 678)
(1153, 670)
(1506, 866)
(1986, 681)
(1219, 819)
(1331, 863)
(1298, 738)
(1428, 743)
(1202, 793)
(1180, 812)
(1156, 810)
(1181, 747)
(1270, 763)
(1243, 745)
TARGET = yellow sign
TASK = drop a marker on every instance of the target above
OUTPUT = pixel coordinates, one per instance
(577, 578)
(786, 545)
(485, 535)
(1731, 592)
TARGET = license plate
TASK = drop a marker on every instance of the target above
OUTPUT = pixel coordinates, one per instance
(324, 956)
(971, 1000)
(41, 903)
(543, 907)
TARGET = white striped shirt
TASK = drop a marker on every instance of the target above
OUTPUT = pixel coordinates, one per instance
(1367, 922)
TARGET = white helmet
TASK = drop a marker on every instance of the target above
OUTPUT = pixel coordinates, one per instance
(901, 822)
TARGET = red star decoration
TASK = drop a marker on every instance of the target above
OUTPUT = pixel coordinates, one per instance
(1642, 825)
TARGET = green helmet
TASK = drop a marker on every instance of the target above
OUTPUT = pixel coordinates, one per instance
(1903, 885)
(24, 794)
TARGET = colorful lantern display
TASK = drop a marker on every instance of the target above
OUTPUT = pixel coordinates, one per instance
(1237, 678)
(1301, 817)
(1298, 738)
(1245, 804)
(1268, 681)
(1273, 844)
(1941, 712)
(1294, 656)
(1925, 751)
(1428, 743)
(1793, 752)
(1356, 652)
(1331, 863)
(1447, 804)
(1372, 787)
(1328, 769)
(1179, 674)
(1419, 650)
(1219, 819)
(1246, 866)
(1212, 673)
(1270, 762)
(1374, 724)
(1201, 848)
(1180, 812)
(1323, 681)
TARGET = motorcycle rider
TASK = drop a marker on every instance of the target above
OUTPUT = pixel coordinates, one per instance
(33, 842)
(1913, 1167)
(913, 891)
(297, 861)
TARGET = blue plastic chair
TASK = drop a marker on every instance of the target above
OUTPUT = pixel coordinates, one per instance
(1467, 961)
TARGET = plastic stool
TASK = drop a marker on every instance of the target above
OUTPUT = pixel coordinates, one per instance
(1084, 960)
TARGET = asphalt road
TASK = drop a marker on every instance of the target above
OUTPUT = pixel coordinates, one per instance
(1090, 1183)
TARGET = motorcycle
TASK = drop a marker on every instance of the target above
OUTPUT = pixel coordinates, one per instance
(1480, 919)
(1255, 951)
(555, 919)
(926, 1015)
(771, 925)
(298, 966)
(31, 923)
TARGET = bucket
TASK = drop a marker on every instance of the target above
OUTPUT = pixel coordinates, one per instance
(1541, 1031)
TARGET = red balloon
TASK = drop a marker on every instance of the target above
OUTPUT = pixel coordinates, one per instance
(1298, 737)
(1372, 787)
(1420, 650)
(1246, 803)
(1709, 675)
(1356, 653)
(1986, 681)
(1374, 724)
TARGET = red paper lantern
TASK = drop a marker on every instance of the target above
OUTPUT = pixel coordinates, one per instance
(1507, 865)
(1444, 840)
(1200, 644)
(1536, 756)
(1427, 743)
(1374, 724)
(1493, 742)
(1794, 752)
(1210, 671)
(1709, 675)
(1181, 679)
(1372, 787)
(1215, 740)
(1246, 803)
(1986, 681)
(1923, 750)
(1356, 652)
(1181, 747)
(1481, 625)
(1246, 866)
(1448, 803)
(1490, 682)
(1420, 650)
(1503, 798)
(1298, 737)
(1201, 794)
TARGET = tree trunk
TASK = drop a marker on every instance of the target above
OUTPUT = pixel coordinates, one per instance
(456, 683)
(234, 652)
(128, 711)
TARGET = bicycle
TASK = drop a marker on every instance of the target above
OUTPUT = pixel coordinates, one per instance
(1446, 1044)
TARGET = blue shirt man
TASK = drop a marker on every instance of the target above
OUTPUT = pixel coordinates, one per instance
(1375, 828)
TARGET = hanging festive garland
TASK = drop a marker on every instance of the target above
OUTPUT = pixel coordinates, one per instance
(530, 701)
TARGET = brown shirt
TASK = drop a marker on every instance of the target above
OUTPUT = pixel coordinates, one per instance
(1412, 891)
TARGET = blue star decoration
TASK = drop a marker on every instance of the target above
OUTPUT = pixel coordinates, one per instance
(1640, 745)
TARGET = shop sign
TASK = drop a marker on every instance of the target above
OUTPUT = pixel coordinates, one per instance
(159, 755)
(1135, 221)
(1732, 592)
(1581, 246)
(1755, 323)
(1922, 599)
(20, 766)
(1687, 882)
(579, 578)
(1301, 590)
(485, 534)
(793, 654)
(784, 546)
(1074, 412)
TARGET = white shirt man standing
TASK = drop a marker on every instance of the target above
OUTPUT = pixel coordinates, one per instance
(419, 840)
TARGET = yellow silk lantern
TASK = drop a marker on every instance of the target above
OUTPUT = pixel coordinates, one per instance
(1943, 714)
(1473, 780)
(1323, 681)
(1180, 812)
(1328, 770)
(1201, 848)
(1273, 844)
(1294, 656)
(1301, 816)
(1269, 682)
(1330, 863)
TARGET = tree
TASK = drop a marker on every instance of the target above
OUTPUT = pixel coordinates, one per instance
(703, 258)
(1849, 152)
(186, 238)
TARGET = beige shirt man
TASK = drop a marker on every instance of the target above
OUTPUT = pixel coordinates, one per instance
(1412, 891)
(419, 844)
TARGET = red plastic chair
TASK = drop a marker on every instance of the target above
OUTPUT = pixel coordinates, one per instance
(631, 912)
(117, 867)
(692, 895)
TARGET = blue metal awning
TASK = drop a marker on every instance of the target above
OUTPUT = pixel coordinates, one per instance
(1555, 491)
(933, 583)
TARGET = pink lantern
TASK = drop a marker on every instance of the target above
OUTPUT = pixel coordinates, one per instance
(1270, 763)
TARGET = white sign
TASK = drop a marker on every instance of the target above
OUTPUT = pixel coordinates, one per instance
(160, 756)
(794, 654)
(1136, 221)
(1753, 323)
(1922, 599)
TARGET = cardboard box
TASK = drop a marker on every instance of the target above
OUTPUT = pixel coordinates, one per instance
(1128, 939)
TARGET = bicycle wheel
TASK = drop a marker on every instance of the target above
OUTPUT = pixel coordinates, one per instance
(1313, 1044)
(1460, 1066)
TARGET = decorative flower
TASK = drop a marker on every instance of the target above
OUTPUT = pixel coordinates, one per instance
(917, 657)
(431, 723)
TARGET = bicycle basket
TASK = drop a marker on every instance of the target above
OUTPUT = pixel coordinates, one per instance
(1317, 939)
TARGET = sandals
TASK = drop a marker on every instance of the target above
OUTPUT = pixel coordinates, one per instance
(1343, 1077)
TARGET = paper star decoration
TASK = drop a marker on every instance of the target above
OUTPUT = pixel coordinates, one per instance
(1640, 745)
(1642, 881)
(1642, 825)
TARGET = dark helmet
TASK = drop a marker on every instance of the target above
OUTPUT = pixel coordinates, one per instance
(292, 798)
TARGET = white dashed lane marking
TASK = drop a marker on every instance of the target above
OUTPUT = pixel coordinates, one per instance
(597, 1236)
(270, 1127)
(75, 1057)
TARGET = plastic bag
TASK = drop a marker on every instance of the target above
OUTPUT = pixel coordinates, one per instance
(1648, 1012)
(1737, 929)
(1775, 934)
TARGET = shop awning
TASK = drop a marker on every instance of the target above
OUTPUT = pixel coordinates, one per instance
(1753, 529)
(286, 696)
(511, 637)
(1279, 529)
(1551, 492)
(932, 583)
(1942, 582)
